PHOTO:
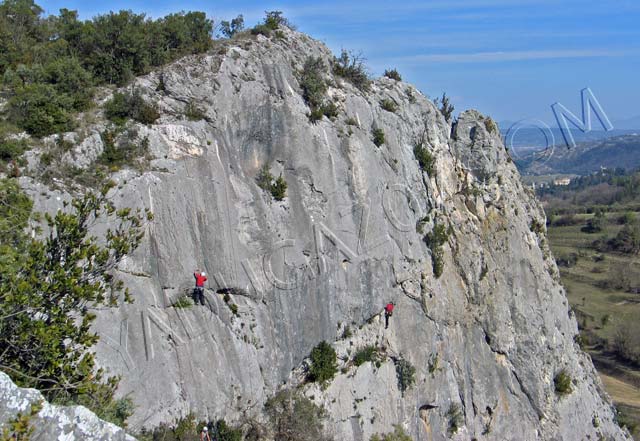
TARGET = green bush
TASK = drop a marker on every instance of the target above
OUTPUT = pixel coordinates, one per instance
(277, 187)
(424, 157)
(389, 105)
(183, 302)
(435, 240)
(118, 153)
(40, 110)
(365, 354)
(11, 149)
(130, 105)
(393, 74)
(293, 417)
(445, 107)
(405, 374)
(398, 434)
(224, 432)
(562, 383)
(230, 29)
(324, 365)
(272, 22)
(351, 67)
(312, 82)
(378, 137)
(455, 417)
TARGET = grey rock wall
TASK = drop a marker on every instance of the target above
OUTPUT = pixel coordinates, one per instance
(342, 244)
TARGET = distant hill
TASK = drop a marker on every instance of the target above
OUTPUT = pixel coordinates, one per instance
(586, 158)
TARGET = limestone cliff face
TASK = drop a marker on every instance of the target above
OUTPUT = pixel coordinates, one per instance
(347, 239)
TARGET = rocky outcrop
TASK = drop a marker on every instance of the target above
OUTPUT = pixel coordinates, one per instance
(48, 422)
(348, 238)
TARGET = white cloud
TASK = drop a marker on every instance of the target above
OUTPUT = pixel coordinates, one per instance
(487, 57)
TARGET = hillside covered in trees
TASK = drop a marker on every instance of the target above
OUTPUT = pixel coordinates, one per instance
(50, 65)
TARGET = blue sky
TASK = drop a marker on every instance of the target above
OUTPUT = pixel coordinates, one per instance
(510, 59)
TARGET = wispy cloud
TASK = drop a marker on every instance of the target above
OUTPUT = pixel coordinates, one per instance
(488, 57)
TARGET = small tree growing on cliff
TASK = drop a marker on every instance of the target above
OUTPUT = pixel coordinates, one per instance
(323, 363)
(445, 106)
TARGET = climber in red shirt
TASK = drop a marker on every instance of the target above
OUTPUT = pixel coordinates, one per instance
(198, 292)
(388, 312)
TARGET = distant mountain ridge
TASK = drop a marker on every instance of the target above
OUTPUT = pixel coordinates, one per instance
(586, 158)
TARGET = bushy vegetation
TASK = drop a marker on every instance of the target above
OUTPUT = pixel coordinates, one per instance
(393, 74)
(435, 240)
(273, 20)
(455, 418)
(324, 364)
(398, 434)
(49, 65)
(389, 105)
(294, 417)
(365, 354)
(424, 157)
(130, 105)
(46, 289)
(626, 342)
(125, 151)
(230, 29)
(405, 374)
(11, 151)
(276, 186)
(351, 67)
(595, 224)
(562, 383)
(187, 429)
(445, 107)
(314, 89)
(378, 136)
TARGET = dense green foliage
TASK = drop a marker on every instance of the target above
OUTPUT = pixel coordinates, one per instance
(46, 288)
(49, 65)
(393, 74)
(398, 434)
(351, 67)
(276, 186)
(294, 417)
(314, 89)
(378, 137)
(229, 29)
(405, 373)
(424, 157)
(562, 383)
(273, 20)
(323, 363)
(130, 105)
(365, 354)
(389, 105)
(435, 239)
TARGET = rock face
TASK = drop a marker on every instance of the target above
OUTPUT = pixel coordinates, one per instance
(488, 336)
(52, 422)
